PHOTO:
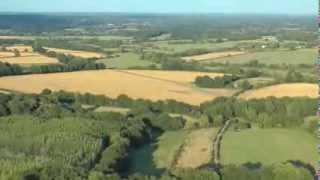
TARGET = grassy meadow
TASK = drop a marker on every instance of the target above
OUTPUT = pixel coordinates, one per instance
(301, 56)
(268, 146)
(125, 61)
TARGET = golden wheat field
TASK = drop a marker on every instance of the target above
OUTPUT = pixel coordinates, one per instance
(29, 60)
(283, 90)
(113, 83)
(174, 76)
(20, 48)
(214, 55)
(198, 149)
(6, 54)
(82, 54)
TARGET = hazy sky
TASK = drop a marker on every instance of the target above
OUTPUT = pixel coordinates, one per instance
(163, 6)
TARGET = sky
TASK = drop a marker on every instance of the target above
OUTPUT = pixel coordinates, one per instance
(163, 6)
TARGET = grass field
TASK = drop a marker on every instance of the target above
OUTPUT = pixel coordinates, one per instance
(176, 48)
(125, 61)
(283, 90)
(30, 60)
(82, 54)
(113, 83)
(198, 149)
(158, 156)
(268, 146)
(214, 55)
(302, 56)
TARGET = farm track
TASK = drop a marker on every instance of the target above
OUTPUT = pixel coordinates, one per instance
(151, 77)
(217, 143)
(164, 80)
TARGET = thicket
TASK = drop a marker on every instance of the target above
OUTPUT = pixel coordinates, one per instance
(217, 82)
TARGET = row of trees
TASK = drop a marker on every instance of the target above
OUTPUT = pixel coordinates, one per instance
(217, 82)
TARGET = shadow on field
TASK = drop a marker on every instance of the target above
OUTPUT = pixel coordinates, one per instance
(141, 159)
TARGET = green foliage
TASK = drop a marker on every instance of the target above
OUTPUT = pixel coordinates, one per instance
(9, 69)
(269, 112)
(217, 82)
(191, 174)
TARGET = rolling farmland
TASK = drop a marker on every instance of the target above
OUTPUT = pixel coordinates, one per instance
(283, 90)
(136, 84)
(26, 57)
(30, 60)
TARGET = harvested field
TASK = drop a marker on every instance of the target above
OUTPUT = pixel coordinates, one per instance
(6, 54)
(29, 60)
(114, 83)
(82, 54)
(214, 55)
(174, 76)
(198, 149)
(283, 90)
(20, 48)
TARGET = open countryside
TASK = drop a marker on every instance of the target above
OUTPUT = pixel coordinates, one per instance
(95, 96)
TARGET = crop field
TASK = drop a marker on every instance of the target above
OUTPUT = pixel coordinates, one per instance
(214, 55)
(283, 90)
(20, 48)
(268, 146)
(114, 83)
(198, 149)
(302, 56)
(158, 155)
(6, 54)
(82, 54)
(30, 60)
(125, 61)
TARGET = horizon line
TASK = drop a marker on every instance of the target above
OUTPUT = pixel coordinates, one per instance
(156, 13)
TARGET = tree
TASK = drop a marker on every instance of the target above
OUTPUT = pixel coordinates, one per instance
(16, 53)
(288, 171)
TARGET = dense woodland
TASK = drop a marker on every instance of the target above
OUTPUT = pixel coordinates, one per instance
(100, 142)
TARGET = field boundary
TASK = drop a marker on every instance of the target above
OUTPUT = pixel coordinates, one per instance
(216, 153)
